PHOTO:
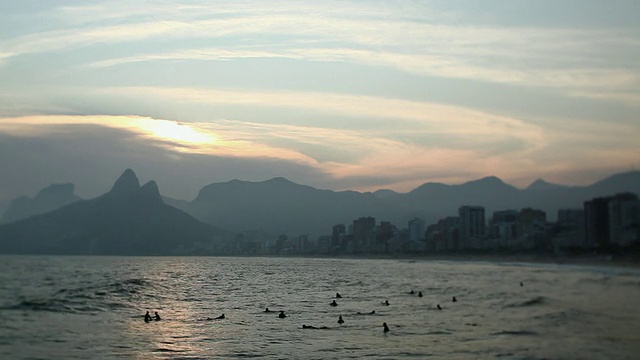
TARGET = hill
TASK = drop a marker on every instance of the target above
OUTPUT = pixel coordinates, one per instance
(281, 206)
(128, 220)
(47, 199)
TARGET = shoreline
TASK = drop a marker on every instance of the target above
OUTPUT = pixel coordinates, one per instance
(631, 261)
(578, 260)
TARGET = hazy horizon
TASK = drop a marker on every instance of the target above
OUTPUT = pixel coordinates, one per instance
(339, 95)
(159, 184)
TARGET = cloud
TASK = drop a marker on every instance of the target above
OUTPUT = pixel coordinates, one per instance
(428, 117)
(93, 156)
(418, 43)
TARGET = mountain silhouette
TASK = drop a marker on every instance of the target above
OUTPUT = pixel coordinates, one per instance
(50, 198)
(277, 206)
(128, 220)
(540, 184)
(281, 206)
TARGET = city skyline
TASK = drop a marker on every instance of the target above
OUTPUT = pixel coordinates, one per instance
(339, 95)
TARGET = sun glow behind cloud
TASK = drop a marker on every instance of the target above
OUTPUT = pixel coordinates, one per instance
(191, 138)
(174, 132)
(178, 136)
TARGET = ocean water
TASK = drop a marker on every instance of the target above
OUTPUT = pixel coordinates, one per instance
(92, 307)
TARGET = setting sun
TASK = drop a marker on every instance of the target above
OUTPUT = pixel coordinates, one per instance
(173, 131)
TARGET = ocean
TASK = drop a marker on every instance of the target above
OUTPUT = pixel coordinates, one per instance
(57, 307)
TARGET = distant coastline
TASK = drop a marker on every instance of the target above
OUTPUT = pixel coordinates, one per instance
(628, 261)
(605, 260)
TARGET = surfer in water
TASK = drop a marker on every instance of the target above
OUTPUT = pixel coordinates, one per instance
(147, 317)
(282, 315)
(340, 321)
(157, 317)
(385, 327)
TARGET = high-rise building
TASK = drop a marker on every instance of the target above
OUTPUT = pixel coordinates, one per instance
(384, 235)
(416, 229)
(570, 228)
(503, 227)
(449, 234)
(596, 221)
(624, 219)
(472, 226)
(363, 233)
(338, 232)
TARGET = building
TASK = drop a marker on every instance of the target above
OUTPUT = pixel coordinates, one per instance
(624, 219)
(416, 229)
(472, 227)
(612, 220)
(448, 230)
(363, 233)
(385, 233)
(569, 229)
(532, 224)
(596, 221)
(503, 227)
(336, 236)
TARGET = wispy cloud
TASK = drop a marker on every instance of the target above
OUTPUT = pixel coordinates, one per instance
(548, 57)
(430, 117)
(345, 135)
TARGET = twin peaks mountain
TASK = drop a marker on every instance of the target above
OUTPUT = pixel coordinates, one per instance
(134, 219)
(128, 220)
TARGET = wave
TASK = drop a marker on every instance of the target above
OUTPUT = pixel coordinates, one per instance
(563, 317)
(516, 332)
(54, 305)
(87, 299)
(538, 300)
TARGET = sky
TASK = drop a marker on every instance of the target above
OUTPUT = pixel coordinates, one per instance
(340, 95)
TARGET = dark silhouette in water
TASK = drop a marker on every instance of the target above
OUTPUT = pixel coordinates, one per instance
(454, 299)
(157, 317)
(439, 308)
(282, 315)
(521, 284)
(340, 321)
(385, 327)
(334, 303)
(412, 292)
(147, 317)
(268, 311)
(372, 312)
(313, 327)
(419, 293)
(386, 302)
(338, 296)
(217, 318)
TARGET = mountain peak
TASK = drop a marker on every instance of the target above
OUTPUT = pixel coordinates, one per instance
(541, 184)
(54, 190)
(279, 180)
(487, 180)
(150, 191)
(126, 185)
